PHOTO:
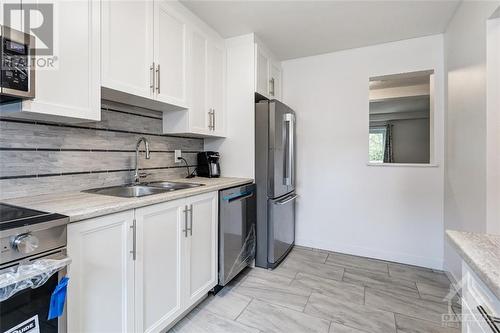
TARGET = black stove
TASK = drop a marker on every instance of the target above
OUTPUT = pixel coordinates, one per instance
(14, 216)
(26, 237)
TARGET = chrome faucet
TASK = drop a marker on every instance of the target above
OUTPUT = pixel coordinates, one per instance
(137, 176)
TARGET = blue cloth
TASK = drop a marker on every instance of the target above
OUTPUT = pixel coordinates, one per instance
(58, 298)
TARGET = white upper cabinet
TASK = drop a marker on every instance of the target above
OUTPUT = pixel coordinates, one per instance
(275, 81)
(262, 61)
(170, 55)
(159, 55)
(67, 81)
(216, 88)
(127, 46)
(267, 73)
(199, 113)
(205, 114)
(144, 54)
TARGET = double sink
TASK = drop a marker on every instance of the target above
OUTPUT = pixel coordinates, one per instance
(141, 190)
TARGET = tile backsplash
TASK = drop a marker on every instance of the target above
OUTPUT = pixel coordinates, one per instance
(40, 157)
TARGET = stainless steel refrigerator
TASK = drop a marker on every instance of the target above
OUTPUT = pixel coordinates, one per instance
(275, 179)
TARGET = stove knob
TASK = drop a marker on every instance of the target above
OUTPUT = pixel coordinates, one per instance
(25, 243)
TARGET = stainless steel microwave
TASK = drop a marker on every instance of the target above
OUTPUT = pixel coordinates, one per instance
(17, 72)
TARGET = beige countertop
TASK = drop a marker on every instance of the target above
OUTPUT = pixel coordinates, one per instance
(80, 206)
(482, 253)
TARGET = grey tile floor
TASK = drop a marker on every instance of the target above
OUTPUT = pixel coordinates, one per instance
(319, 291)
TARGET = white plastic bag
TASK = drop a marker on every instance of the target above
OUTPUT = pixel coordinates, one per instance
(29, 275)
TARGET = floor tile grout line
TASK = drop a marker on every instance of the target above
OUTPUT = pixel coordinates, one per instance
(307, 302)
(419, 319)
(246, 306)
(418, 291)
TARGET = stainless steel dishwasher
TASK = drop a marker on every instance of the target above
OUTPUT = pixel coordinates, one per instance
(237, 222)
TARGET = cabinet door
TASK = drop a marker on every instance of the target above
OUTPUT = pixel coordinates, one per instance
(127, 46)
(262, 61)
(275, 81)
(201, 247)
(158, 266)
(68, 80)
(170, 54)
(216, 74)
(198, 110)
(12, 8)
(100, 292)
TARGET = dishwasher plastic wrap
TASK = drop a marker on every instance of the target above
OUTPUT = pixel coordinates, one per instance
(29, 275)
(247, 253)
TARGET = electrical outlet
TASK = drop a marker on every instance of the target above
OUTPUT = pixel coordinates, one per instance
(177, 155)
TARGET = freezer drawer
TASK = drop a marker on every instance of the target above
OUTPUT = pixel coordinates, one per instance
(237, 222)
(281, 227)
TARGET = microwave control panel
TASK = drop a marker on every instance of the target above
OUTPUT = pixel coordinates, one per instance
(15, 65)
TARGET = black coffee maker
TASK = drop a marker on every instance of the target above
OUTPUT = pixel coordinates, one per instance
(208, 164)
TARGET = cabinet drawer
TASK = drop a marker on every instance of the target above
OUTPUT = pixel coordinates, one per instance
(476, 298)
(476, 292)
(470, 323)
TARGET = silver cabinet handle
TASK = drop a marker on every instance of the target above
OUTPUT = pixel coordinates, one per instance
(490, 320)
(241, 197)
(134, 240)
(213, 115)
(152, 77)
(210, 119)
(191, 224)
(158, 73)
(287, 200)
(185, 221)
(271, 87)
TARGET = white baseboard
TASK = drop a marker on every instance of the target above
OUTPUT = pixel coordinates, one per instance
(399, 257)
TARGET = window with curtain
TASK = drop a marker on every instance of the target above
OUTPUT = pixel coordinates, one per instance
(400, 115)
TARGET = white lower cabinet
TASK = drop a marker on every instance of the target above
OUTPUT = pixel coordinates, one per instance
(158, 270)
(142, 269)
(478, 302)
(201, 247)
(101, 287)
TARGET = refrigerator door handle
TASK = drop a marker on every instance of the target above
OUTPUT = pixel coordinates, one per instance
(288, 179)
(287, 200)
(291, 147)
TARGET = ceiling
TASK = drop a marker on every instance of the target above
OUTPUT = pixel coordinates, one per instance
(294, 29)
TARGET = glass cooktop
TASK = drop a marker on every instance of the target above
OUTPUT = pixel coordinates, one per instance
(14, 216)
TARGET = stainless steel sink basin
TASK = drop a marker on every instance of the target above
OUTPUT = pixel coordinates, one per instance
(141, 190)
(173, 186)
(128, 191)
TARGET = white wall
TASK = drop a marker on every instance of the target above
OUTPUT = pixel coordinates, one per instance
(237, 151)
(392, 213)
(493, 126)
(466, 119)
